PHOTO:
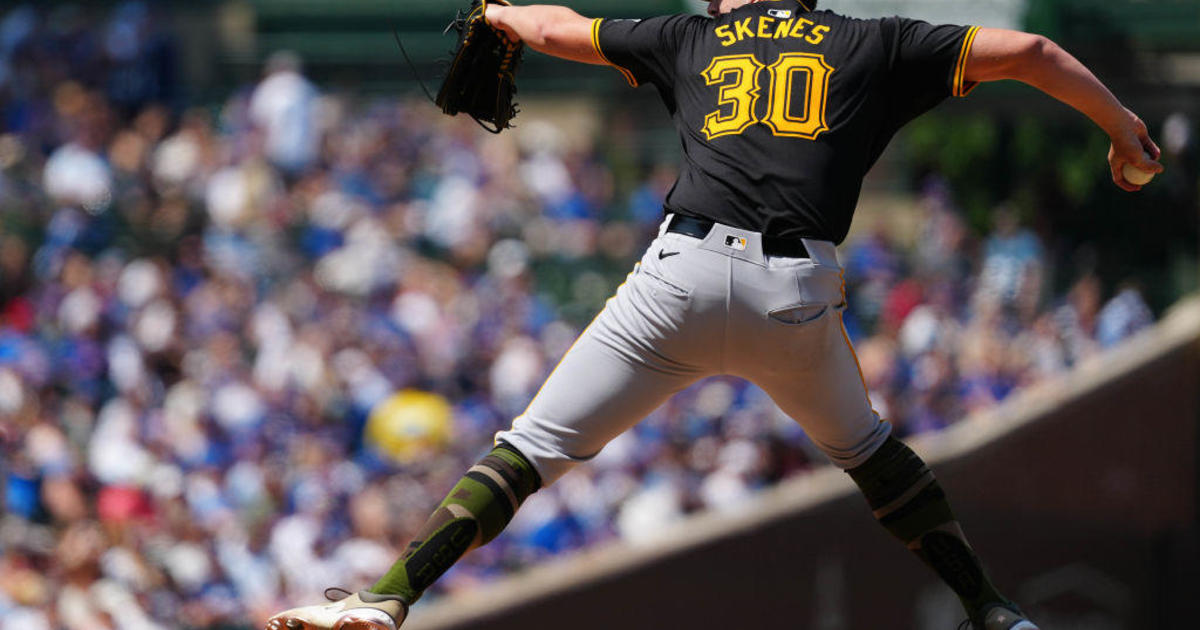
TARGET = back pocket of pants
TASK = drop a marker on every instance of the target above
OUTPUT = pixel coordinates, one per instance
(798, 314)
(660, 282)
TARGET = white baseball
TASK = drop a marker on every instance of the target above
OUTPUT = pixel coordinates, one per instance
(1135, 175)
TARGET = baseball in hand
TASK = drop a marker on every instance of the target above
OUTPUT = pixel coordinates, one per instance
(1135, 175)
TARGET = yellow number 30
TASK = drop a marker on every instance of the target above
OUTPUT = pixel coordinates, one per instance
(741, 95)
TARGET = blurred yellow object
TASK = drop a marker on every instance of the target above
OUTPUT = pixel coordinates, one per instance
(409, 425)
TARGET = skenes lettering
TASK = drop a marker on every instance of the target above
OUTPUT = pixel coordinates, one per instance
(764, 27)
(743, 28)
(727, 37)
(798, 28)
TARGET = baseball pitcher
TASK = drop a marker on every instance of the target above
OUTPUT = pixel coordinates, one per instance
(781, 110)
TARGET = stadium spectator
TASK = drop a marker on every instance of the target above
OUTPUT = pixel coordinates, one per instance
(284, 108)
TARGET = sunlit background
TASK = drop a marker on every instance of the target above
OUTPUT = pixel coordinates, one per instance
(261, 303)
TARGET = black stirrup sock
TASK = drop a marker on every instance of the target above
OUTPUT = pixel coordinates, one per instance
(907, 500)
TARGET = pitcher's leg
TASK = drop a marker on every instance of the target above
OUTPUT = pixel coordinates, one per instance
(828, 397)
(602, 386)
(477, 508)
(635, 354)
(639, 351)
(606, 382)
(814, 377)
(609, 380)
(475, 511)
(908, 501)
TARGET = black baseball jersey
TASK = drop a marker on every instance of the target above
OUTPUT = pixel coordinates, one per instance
(782, 110)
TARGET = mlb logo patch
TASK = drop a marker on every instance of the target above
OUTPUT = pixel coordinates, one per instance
(781, 14)
(735, 242)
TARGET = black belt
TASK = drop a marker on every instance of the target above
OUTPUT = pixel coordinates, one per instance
(771, 245)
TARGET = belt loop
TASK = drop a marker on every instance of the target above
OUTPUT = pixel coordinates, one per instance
(662, 227)
(822, 252)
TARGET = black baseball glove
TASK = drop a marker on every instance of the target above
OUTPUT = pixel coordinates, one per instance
(482, 80)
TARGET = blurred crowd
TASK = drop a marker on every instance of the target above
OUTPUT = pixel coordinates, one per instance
(956, 324)
(245, 350)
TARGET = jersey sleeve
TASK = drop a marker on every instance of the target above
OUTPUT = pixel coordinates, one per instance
(932, 59)
(642, 50)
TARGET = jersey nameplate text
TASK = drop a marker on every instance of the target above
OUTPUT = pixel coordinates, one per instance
(765, 27)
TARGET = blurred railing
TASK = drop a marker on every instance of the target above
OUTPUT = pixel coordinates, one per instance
(351, 42)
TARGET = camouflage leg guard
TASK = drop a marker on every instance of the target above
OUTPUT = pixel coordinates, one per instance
(477, 509)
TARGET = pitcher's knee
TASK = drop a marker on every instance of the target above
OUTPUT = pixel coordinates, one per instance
(552, 453)
(854, 453)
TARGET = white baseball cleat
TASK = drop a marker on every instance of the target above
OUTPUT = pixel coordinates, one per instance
(350, 611)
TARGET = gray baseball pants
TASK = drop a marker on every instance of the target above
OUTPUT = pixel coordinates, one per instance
(694, 308)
